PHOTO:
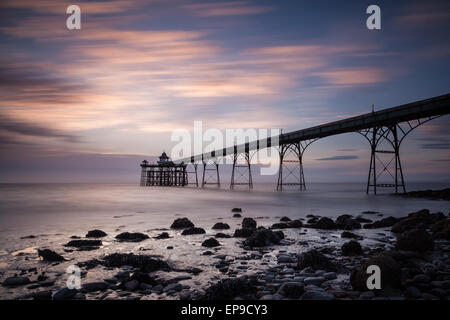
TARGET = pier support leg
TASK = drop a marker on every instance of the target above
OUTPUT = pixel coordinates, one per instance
(191, 169)
(210, 174)
(242, 172)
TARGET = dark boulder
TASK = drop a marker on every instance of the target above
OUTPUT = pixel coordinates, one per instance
(236, 210)
(49, 255)
(291, 290)
(96, 234)
(315, 260)
(280, 225)
(264, 237)
(229, 289)
(441, 229)
(132, 237)
(351, 248)
(211, 242)
(416, 220)
(248, 223)
(295, 224)
(237, 215)
(182, 223)
(244, 233)
(15, 281)
(383, 223)
(65, 294)
(221, 226)
(193, 230)
(83, 243)
(324, 223)
(163, 235)
(350, 235)
(363, 220)
(222, 235)
(415, 240)
(144, 263)
(94, 286)
(340, 221)
(285, 219)
(391, 273)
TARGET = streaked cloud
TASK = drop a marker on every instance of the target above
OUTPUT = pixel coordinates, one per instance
(229, 8)
(347, 157)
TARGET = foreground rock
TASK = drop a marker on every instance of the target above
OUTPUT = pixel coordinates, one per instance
(96, 234)
(49, 255)
(391, 273)
(263, 238)
(324, 223)
(132, 237)
(415, 240)
(315, 260)
(181, 223)
(163, 235)
(383, 223)
(248, 223)
(244, 232)
(193, 230)
(443, 194)
(15, 281)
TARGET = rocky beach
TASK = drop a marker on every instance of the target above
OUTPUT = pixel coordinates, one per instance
(239, 257)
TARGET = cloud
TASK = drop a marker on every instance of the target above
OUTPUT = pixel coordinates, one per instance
(437, 145)
(231, 8)
(346, 157)
(424, 14)
(349, 150)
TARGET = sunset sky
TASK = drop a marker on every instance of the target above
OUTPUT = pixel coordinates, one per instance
(88, 105)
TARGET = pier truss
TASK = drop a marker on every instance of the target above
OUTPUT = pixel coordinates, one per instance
(384, 130)
(191, 174)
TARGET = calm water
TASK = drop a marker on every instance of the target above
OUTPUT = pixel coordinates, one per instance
(73, 208)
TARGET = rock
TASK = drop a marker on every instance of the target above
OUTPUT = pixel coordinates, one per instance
(83, 243)
(237, 215)
(315, 293)
(65, 294)
(15, 281)
(415, 240)
(94, 286)
(324, 223)
(285, 219)
(284, 258)
(295, 224)
(131, 285)
(96, 234)
(173, 287)
(383, 223)
(42, 295)
(412, 293)
(350, 235)
(244, 233)
(275, 296)
(211, 242)
(230, 288)
(163, 235)
(314, 280)
(248, 223)
(144, 263)
(222, 235)
(441, 229)
(181, 223)
(316, 261)
(264, 237)
(342, 219)
(236, 210)
(221, 226)
(132, 237)
(443, 194)
(280, 225)
(363, 220)
(351, 248)
(49, 255)
(291, 290)
(330, 275)
(207, 253)
(351, 224)
(391, 273)
(193, 230)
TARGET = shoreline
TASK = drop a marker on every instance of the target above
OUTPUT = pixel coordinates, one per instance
(311, 258)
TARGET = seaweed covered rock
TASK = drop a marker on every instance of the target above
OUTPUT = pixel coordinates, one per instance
(229, 289)
(163, 235)
(415, 240)
(221, 226)
(83, 243)
(144, 263)
(193, 230)
(324, 223)
(96, 233)
(263, 238)
(244, 232)
(181, 223)
(49, 255)
(132, 237)
(315, 260)
(383, 223)
(210, 243)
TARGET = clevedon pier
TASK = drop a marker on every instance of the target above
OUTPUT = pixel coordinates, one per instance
(384, 130)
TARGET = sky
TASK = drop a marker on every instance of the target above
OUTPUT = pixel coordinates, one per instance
(89, 105)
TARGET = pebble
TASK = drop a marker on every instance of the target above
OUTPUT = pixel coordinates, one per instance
(314, 280)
